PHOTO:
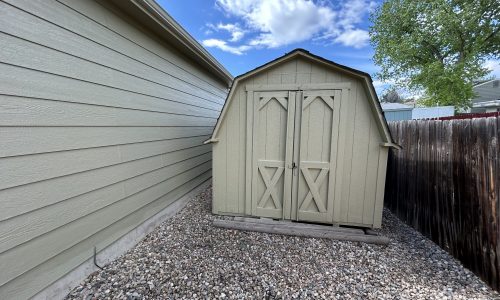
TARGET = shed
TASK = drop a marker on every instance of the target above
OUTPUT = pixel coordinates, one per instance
(301, 138)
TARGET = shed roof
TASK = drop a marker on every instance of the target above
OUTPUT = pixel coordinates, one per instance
(154, 17)
(367, 80)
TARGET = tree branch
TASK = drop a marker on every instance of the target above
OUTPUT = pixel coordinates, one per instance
(493, 34)
(435, 51)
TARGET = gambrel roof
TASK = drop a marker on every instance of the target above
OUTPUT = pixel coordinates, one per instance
(365, 77)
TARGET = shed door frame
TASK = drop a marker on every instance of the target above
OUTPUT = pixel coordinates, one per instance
(289, 209)
(307, 187)
(275, 172)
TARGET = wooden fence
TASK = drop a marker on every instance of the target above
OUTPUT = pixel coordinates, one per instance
(445, 182)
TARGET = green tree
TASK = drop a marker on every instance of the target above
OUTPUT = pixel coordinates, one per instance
(392, 96)
(436, 46)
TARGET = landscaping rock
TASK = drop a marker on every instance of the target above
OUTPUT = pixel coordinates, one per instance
(187, 258)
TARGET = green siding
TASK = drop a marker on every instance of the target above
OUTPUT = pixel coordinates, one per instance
(102, 126)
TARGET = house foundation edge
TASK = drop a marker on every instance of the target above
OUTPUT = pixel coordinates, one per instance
(60, 288)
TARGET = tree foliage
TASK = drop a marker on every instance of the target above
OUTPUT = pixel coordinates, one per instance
(438, 46)
(392, 96)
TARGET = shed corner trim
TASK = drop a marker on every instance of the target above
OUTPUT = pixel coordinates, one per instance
(391, 145)
(210, 141)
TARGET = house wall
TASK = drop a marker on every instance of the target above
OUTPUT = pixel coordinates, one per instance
(398, 115)
(432, 112)
(361, 162)
(101, 127)
(487, 91)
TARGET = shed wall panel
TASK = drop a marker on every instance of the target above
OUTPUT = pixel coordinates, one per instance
(102, 126)
(220, 173)
(361, 138)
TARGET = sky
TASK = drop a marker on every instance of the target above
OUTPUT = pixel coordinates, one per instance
(244, 34)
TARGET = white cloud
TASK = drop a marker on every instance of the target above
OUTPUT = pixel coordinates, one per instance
(275, 23)
(353, 11)
(381, 86)
(493, 66)
(238, 50)
(379, 83)
(357, 38)
(280, 22)
(234, 29)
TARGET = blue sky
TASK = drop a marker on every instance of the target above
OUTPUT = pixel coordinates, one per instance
(244, 34)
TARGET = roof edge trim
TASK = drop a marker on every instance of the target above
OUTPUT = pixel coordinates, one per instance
(174, 30)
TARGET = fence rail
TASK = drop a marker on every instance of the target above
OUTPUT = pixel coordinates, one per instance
(445, 182)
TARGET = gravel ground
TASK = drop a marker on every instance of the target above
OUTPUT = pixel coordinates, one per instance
(186, 257)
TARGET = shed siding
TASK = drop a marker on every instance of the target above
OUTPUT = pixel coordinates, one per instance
(357, 156)
(102, 126)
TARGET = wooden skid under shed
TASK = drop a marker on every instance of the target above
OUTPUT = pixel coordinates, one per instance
(302, 229)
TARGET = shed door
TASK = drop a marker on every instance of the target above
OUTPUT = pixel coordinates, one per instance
(273, 129)
(316, 142)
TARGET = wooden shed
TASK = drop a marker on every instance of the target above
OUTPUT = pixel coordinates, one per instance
(302, 138)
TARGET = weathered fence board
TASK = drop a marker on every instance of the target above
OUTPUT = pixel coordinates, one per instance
(445, 182)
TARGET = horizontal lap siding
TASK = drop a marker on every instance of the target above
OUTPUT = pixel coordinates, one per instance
(102, 126)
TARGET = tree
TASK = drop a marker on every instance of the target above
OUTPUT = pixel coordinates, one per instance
(436, 46)
(392, 96)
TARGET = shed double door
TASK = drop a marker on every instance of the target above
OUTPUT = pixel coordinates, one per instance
(294, 142)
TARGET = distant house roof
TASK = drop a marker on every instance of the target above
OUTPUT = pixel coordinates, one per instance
(478, 82)
(492, 103)
(386, 106)
(483, 82)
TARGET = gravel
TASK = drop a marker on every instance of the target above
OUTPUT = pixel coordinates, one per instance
(187, 258)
